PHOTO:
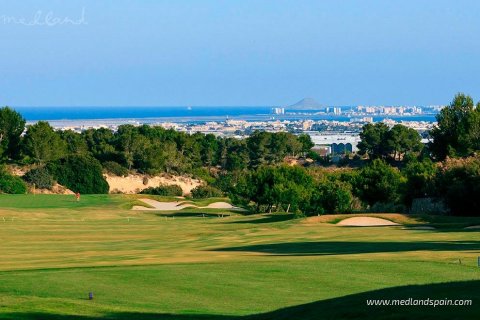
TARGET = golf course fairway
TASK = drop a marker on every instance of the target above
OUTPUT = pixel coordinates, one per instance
(217, 264)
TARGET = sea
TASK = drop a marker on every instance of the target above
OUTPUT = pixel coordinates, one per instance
(187, 114)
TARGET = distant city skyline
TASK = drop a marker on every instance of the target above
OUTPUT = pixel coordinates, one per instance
(248, 53)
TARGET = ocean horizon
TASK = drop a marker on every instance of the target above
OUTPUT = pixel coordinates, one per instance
(185, 113)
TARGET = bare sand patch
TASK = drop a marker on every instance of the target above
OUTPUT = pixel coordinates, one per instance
(179, 205)
(134, 183)
(366, 222)
(56, 189)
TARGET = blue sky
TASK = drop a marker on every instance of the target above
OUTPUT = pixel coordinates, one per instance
(239, 52)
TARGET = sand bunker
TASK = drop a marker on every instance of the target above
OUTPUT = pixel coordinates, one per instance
(179, 205)
(163, 206)
(366, 222)
(220, 205)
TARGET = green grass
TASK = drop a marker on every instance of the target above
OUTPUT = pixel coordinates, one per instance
(142, 265)
(54, 201)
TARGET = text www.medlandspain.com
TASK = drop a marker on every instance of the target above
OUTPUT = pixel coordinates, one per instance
(419, 302)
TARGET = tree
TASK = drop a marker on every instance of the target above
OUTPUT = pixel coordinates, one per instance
(209, 150)
(420, 179)
(12, 125)
(42, 144)
(174, 160)
(74, 141)
(378, 182)
(306, 141)
(203, 192)
(458, 184)
(331, 196)
(457, 133)
(257, 144)
(379, 141)
(79, 173)
(126, 137)
(40, 177)
(101, 144)
(164, 190)
(374, 140)
(401, 140)
(270, 148)
(280, 187)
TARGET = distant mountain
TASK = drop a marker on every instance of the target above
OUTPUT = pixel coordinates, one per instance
(307, 103)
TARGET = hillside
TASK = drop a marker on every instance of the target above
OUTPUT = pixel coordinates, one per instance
(134, 183)
(306, 103)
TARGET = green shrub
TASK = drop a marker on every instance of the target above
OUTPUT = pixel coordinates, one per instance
(202, 192)
(115, 168)
(164, 190)
(420, 179)
(313, 155)
(11, 184)
(40, 177)
(203, 174)
(80, 173)
(382, 207)
(378, 182)
(331, 197)
(458, 184)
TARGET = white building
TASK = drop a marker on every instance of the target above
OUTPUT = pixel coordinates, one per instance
(335, 141)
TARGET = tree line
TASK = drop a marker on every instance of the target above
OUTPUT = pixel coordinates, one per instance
(147, 149)
(57, 154)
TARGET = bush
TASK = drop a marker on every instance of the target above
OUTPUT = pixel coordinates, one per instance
(115, 168)
(269, 187)
(378, 182)
(381, 207)
(459, 186)
(164, 190)
(314, 156)
(203, 174)
(202, 192)
(79, 173)
(331, 197)
(420, 179)
(40, 177)
(11, 184)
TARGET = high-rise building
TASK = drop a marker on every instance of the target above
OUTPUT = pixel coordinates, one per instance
(278, 110)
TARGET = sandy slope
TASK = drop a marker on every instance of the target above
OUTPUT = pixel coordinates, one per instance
(134, 183)
(366, 222)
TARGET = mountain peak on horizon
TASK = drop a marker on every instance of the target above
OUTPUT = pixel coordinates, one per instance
(306, 103)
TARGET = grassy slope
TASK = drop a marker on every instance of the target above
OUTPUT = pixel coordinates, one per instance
(143, 265)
